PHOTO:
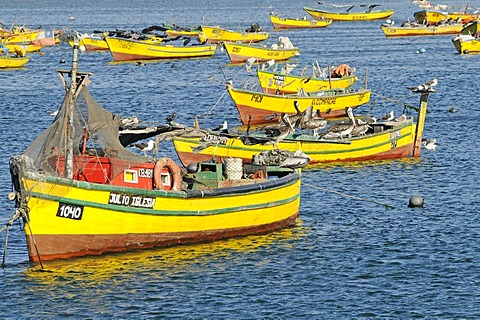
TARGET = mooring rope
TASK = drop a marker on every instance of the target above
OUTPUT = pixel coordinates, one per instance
(387, 206)
(6, 227)
(405, 105)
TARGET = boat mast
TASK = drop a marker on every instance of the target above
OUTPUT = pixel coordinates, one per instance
(422, 111)
(69, 113)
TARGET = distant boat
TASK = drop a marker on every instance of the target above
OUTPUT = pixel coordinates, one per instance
(129, 49)
(242, 52)
(277, 82)
(91, 42)
(468, 41)
(369, 14)
(220, 35)
(279, 23)
(432, 17)
(9, 61)
(415, 29)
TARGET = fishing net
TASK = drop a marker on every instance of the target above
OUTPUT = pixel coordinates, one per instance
(94, 140)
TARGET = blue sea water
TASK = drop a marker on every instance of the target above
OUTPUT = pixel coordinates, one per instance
(347, 258)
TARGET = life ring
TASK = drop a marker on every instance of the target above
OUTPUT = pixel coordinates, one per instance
(167, 175)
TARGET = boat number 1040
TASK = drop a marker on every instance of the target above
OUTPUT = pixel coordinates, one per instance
(70, 211)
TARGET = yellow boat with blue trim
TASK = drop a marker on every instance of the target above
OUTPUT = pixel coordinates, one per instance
(80, 192)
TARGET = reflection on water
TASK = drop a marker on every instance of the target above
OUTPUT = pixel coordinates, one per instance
(161, 262)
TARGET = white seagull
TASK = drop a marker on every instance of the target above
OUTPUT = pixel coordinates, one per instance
(389, 116)
(429, 144)
(145, 147)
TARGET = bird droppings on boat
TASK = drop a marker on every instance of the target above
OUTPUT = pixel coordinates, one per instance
(452, 109)
(416, 201)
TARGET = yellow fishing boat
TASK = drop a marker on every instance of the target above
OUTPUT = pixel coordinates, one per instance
(220, 35)
(467, 42)
(22, 48)
(20, 36)
(258, 107)
(415, 29)
(91, 42)
(275, 82)
(123, 49)
(79, 192)
(241, 52)
(368, 14)
(8, 61)
(432, 17)
(380, 140)
(291, 23)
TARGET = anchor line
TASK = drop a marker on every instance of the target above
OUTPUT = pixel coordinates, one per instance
(387, 206)
(405, 105)
(6, 227)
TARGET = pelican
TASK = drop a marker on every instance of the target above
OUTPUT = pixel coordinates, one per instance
(284, 131)
(311, 121)
(297, 160)
(341, 130)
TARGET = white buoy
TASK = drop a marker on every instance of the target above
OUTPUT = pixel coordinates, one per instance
(416, 201)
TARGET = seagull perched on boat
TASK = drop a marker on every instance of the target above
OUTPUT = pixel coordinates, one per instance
(223, 128)
(389, 116)
(429, 144)
(53, 113)
(427, 86)
(145, 147)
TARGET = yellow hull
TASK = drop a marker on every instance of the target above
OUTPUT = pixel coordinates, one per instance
(258, 107)
(289, 23)
(466, 45)
(239, 53)
(91, 43)
(390, 31)
(432, 17)
(219, 35)
(273, 82)
(396, 141)
(11, 62)
(21, 37)
(346, 16)
(126, 50)
(68, 219)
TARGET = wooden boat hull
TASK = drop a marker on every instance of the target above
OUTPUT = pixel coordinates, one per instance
(20, 37)
(258, 107)
(391, 31)
(12, 62)
(218, 35)
(432, 17)
(128, 50)
(346, 16)
(275, 83)
(240, 53)
(70, 219)
(280, 23)
(466, 45)
(91, 43)
(395, 142)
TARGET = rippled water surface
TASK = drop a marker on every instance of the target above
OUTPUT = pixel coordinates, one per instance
(348, 257)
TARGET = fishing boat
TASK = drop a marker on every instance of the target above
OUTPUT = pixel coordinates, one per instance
(280, 23)
(279, 82)
(258, 107)
(368, 14)
(468, 41)
(123, 49)
(432, 17)
(90, 42)
(242, 52)
(409, 29)
(10, 61)
(219, 35)
(371, 140)
(79, 192)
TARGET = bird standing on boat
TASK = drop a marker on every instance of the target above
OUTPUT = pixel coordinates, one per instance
(145, 147)
(284, 131)
(340, 130)
(389, 116)
(223, 128)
